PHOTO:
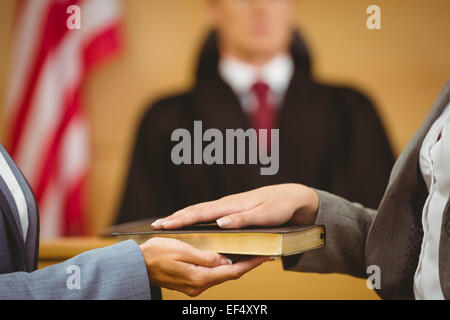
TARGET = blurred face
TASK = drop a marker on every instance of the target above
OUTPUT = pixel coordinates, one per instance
(252, 30)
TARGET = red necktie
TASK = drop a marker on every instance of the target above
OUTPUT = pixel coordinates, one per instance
(263, 117)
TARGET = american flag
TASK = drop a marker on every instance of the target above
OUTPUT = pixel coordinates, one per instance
(47, 130)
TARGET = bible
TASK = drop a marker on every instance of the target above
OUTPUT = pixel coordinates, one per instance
(278, 241)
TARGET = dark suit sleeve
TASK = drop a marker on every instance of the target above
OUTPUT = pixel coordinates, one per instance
(360, 170)
(347, 226)
(149, 189)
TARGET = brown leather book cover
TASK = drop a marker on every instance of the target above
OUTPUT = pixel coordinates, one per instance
(142, 227)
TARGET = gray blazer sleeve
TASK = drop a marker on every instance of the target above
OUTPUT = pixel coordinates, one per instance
(346, 227)
(114, 272)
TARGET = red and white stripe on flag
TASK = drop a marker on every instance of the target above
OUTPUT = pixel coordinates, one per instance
(46, 129)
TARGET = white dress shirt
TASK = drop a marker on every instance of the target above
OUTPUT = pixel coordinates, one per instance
(17, 193)
(241, 76)
(434, 163)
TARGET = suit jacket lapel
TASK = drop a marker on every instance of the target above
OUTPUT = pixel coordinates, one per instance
(396, 226)
(411, 152)
(32, 236)
(9, 210)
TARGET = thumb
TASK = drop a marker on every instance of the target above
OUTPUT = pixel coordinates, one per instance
(204, 258)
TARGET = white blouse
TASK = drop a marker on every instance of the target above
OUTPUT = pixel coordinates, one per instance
(434, 161)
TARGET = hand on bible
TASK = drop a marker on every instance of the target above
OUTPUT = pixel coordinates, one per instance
(176, 265)
(268, 206)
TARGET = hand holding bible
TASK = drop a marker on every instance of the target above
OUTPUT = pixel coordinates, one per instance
(178, 266)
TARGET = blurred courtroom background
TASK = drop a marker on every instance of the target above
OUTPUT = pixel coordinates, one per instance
(401, 67)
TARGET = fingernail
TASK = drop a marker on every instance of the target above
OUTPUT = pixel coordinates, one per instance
(225, 261)
(273, 258)
(224, 222)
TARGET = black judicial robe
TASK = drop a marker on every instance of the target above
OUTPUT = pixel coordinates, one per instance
(331, 138)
